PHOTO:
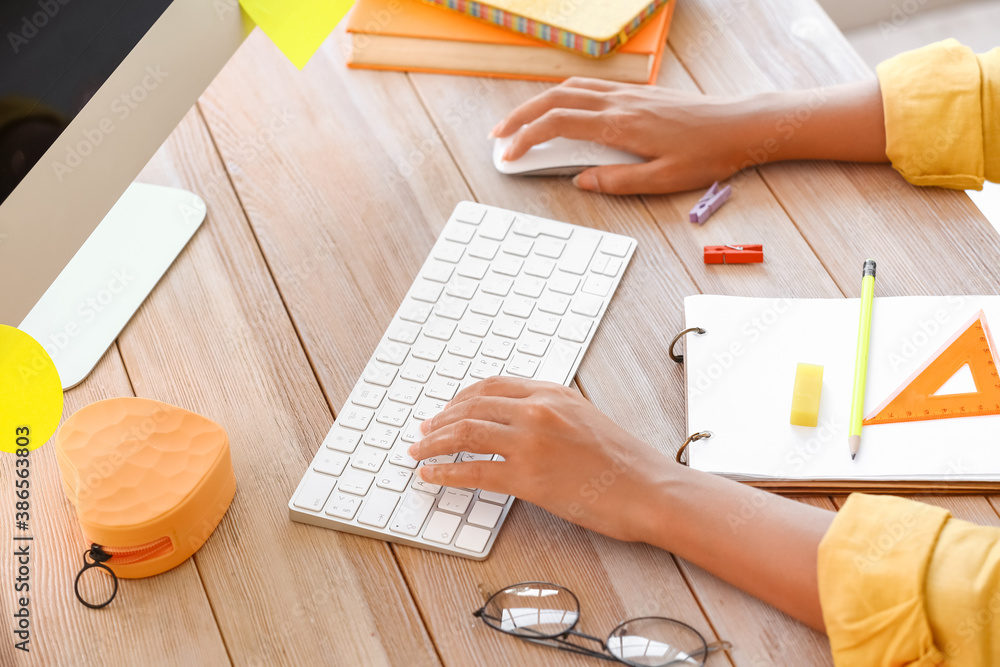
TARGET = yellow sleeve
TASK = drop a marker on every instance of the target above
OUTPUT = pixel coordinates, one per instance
(903, 583)
(942, 115)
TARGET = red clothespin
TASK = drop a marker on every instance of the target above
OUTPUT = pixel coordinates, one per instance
(709, 203)
(734, 254)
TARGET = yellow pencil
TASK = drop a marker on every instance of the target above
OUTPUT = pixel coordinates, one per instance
(861, 357)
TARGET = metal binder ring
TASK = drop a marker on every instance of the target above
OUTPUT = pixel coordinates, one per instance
(700, 435)
(679, 358)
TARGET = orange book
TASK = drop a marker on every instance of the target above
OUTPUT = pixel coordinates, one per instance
(412, 36)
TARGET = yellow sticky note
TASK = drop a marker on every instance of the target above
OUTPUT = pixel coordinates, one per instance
(805, 395)
(297, 27)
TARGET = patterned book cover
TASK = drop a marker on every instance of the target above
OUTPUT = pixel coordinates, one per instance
(594, 28)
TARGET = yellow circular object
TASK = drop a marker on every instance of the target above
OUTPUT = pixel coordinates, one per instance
(31, 396)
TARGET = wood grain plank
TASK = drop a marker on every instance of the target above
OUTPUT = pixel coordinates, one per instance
(161, 620)
(217, 340)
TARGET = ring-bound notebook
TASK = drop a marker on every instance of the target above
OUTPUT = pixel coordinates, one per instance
(594, 28)
(932, 399)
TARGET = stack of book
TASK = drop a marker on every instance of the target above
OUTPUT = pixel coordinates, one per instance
(477, 40)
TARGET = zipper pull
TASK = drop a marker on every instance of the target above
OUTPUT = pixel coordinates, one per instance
(98, 557)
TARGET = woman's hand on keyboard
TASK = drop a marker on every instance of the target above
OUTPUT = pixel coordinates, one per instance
(690, 139)
(559, 452)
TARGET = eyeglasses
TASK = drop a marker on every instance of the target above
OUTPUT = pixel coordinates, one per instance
(547, 614)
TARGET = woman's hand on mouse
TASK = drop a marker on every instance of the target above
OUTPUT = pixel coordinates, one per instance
(690, 140)
(559, 451)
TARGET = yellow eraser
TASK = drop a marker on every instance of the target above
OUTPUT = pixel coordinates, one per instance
(805, 394)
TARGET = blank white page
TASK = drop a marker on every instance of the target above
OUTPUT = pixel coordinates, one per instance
(740, 376)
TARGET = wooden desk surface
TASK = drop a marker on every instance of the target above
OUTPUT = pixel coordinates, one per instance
(325, 191)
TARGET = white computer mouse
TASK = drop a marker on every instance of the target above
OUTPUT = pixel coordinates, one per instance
(559, 157)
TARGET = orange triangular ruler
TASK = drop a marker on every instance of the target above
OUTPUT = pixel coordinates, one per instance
(915, 400)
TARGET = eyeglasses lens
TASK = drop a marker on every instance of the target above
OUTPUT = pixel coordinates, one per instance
(533, 610)
(656, 642)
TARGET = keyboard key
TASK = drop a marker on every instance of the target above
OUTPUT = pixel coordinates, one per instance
(616, 245)
(462, 288)
(415, 312)
(508, 327)
(399, 456)
(486, 368)
(498, 285)
(383, 437)
(473, 539)
(412, 512)
(564, 284)
(441, 528)
(314, 491)
(614, 266)
(465, 346)
(331, 463)
(393, 478)
(440, 328)
(560, 230)
(356, 418)
(368, 459)
(470, 212)
(441, 458)
(600, 263)
(532, 287)
(523, 366)
(459, 232)
(412, 431)
(518, 307)
(441, 387)
(447, 251)
(483, 249)
(475, 325)
(378, 508)
(575, 328)
(427, 291)
(496, 225)
(486, 305)
(550, 248)
(534, 345)
(493, 497)
(559, 362)
(404, 332)
(539, 267)
(581, 248)
(599, 285)
(428, 407)
(469, 456)
(453, 500)
(485, 514)
(586, 305)
(454, 367)
(544, 324)
(426, 487)
(555, 304)
(394, 414)
(391, 353)
(437, 271)
(473, 268)
(356, 482)
(497, 348)
(417, 371)
(428, 349)
(508, 266)
(343, 505)
(342, 440)
(527, 226)
(453, 308)
(406, 392)
(518, 245)
(368, 396)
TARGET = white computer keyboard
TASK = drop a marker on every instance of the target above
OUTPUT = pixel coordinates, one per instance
(501, 293)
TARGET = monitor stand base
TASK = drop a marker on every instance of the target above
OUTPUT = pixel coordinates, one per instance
(88, 305)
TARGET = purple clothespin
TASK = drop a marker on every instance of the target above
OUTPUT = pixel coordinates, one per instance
(710, 203)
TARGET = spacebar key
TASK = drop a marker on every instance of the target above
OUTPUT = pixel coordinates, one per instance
(559, 362)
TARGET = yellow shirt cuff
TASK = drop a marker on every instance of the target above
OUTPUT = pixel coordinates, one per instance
(872, 565)
(934, 115)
